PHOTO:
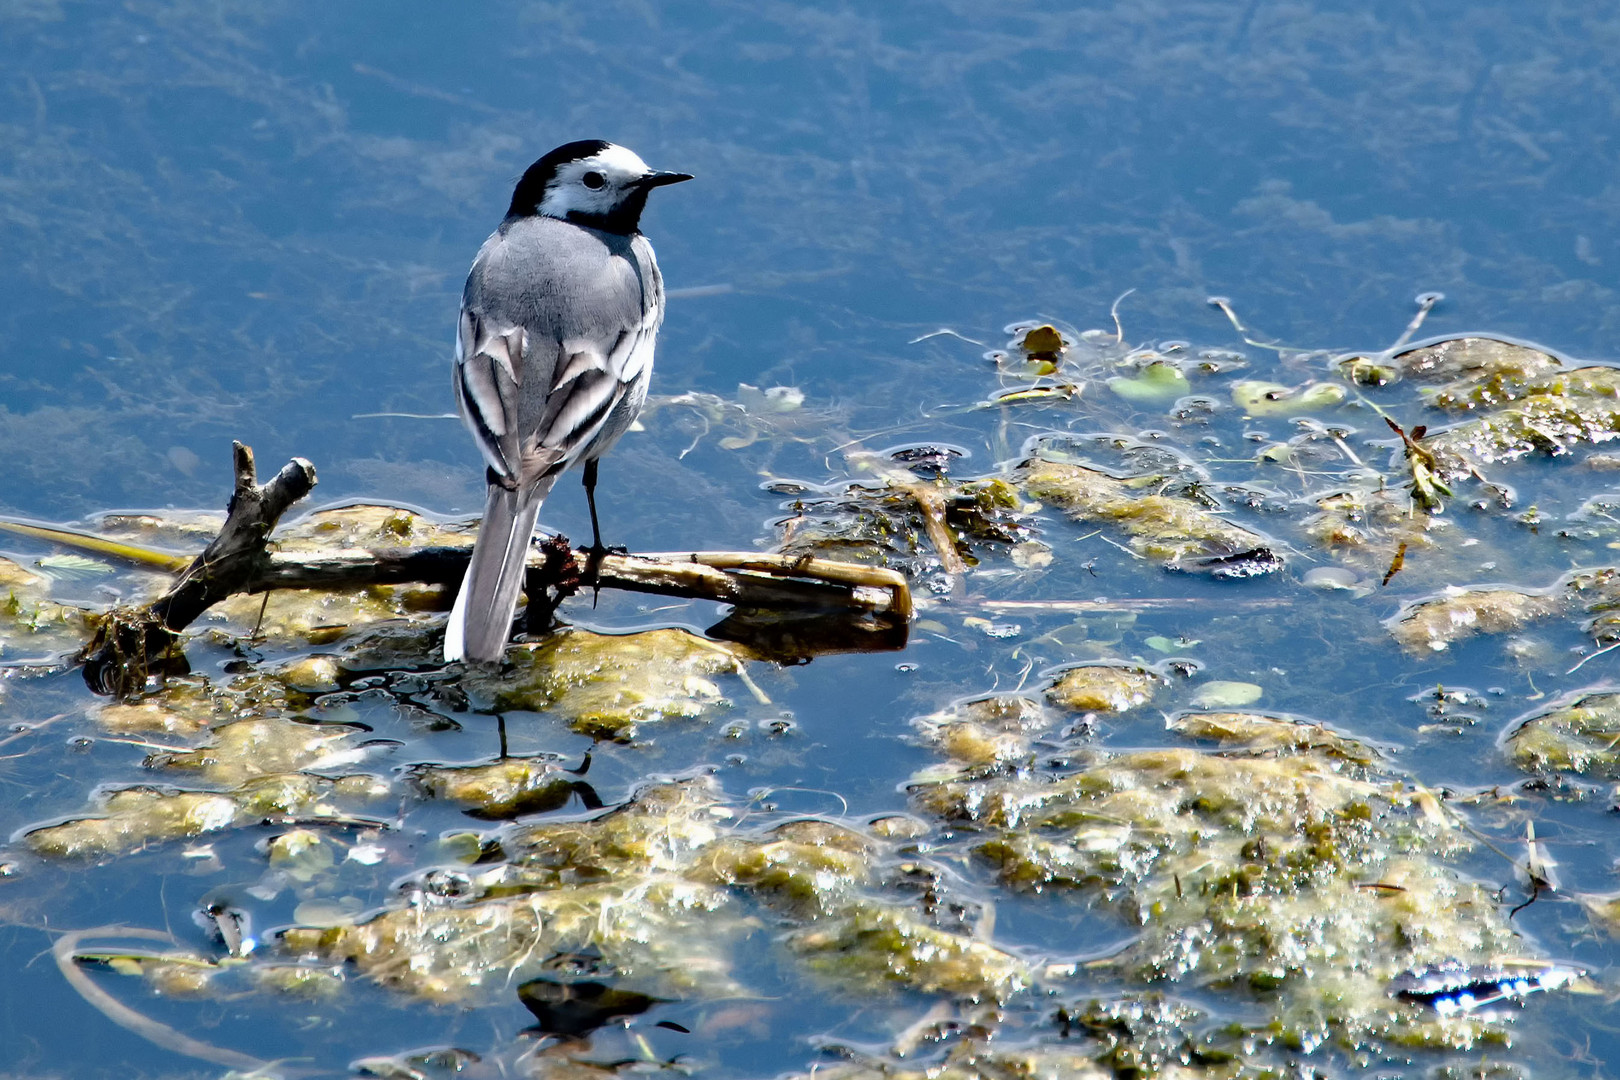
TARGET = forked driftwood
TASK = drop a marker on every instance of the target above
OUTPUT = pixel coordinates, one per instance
(133, 642)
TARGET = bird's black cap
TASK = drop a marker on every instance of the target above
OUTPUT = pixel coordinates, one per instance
(532, 188)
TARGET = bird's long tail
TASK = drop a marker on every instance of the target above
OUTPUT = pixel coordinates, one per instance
(482, 617)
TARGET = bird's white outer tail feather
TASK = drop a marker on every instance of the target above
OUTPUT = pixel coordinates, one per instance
(482, 617)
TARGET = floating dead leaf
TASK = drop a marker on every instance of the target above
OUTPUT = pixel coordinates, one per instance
(1043, 343)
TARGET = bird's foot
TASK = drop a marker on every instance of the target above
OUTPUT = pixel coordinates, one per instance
(591, 576)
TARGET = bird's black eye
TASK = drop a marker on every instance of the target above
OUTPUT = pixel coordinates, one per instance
(593, 180)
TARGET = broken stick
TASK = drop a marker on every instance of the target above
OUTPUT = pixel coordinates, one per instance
(129, 642)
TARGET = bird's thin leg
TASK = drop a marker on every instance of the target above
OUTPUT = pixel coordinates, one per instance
(597, 550)
(593, 561)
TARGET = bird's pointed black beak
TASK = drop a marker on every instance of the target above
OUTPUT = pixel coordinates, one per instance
(659, 178)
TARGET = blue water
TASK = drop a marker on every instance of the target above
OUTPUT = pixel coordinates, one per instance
(254, 222)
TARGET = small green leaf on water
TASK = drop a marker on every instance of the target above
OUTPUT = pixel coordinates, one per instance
(1258, 398)
(1277, 454)
(1222, 694)
(1158, 381)
(462, 847)
(1160, 643)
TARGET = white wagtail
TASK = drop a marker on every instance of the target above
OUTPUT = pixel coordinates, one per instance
(554, 351)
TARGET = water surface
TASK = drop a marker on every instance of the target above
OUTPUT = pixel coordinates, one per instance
(254, 225)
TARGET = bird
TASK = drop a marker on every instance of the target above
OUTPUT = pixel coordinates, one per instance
(554, 353)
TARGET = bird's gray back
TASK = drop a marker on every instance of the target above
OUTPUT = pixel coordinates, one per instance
(564, 283)
(556, 340)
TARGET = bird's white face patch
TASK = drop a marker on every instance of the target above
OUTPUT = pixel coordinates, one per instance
(593, 185)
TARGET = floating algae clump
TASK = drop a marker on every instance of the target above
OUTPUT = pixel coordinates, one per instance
(904, 518)
(993, 730)
(320, 616)
(369, 526)
(605, 685)
(652, 891)
(1168, 528)
(257, 763)
(1581, 735)
(133, 817)
(1270, 734)
(268, 744)
(1278, 863)
(1477, 372)
(1461, 613)
(1104, 687)
(879, 946)
(613, 886)
(1521, 400)
(506, 788)
(807, 867)
(1435, 623)
(976, 1061)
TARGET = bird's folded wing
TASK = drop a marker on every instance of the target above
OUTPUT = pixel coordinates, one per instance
(489, 376)
(586, 386)
(587, 383)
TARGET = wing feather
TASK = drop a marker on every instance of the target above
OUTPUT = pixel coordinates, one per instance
(488, 380)
(575, 412)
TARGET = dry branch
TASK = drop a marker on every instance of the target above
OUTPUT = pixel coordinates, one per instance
(746, 579)
(130, 642)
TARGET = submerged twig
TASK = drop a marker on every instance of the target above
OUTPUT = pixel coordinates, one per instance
(1425, 303)
(118, 549)
(65, 952)
(1139, 603)
(1113, 312)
